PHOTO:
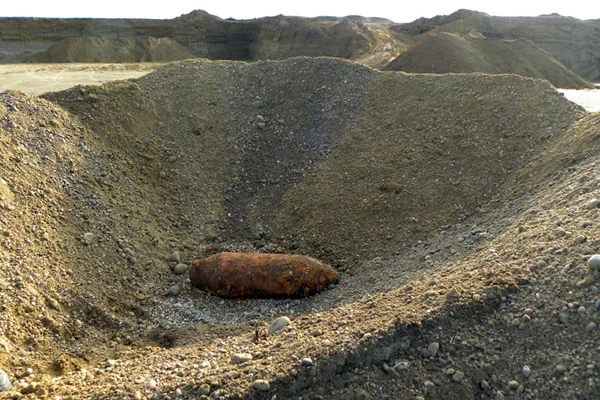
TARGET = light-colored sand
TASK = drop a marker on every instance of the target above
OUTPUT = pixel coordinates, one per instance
(41, 78)
(588, 99)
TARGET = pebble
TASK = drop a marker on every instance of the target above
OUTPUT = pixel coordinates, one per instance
(591, 204)
(137, 395)
(402, 366)
(428, 385)
(204, 389)
(591, 326)
(278, 324)
(484, 385)
(240, 358)
(587, 224)
(180, 269)
(433, 349)
(110, 363)
(87, 238)
(174, 258)
(563, 317)
(458, 376)
(513, 385)
(29, 389)
(597, 304)
(5, 384)
(526, 371)
(261, 384)
(594, 263)
(306, 362)
(499, 395)
(174, 290)
(152, 384)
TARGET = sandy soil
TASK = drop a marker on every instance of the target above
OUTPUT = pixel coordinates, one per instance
(588, 99)
(41, 78)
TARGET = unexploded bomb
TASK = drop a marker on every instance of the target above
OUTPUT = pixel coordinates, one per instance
(261, 275)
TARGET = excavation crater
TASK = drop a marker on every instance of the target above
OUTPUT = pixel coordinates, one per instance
(416, 188)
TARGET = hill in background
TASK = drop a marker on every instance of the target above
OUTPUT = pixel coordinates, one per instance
(530, 46)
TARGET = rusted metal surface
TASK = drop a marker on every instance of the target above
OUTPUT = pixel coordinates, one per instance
(261, 275)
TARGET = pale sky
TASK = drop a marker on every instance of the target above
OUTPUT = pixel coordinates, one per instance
(396, 10)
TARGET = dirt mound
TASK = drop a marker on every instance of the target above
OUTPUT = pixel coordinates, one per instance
(432, 195)
(102, 49)
(447, 52)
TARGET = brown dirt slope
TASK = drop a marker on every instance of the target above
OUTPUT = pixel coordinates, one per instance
(444, 52)
(435, 196)
(572, 42)
(101, 49)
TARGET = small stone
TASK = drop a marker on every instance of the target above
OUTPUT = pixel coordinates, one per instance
(587, 224)
(513, 385)
(180, 269)
(110, 363)
(262, 385)
(591, 204)
(131, 260)
(560, 369)
(428, 385)
(5, 384)
(152, 384)
(458, 376)
(278, 324)
(204, 389)
(306, 362)
(499, 395)
(597, 304)
(594, 263)
(580, 239)
(174, 290)
(87, 238)
(526, 371)
(174, 258)
(137, 395)
(402, 366)
(29, 388)
(484, 385)
(240, 358)
(563, 317)
(581, 310)
(433, 349)
(261, 124)
(591, 326)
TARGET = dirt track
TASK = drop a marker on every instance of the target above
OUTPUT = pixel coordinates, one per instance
(41, 78)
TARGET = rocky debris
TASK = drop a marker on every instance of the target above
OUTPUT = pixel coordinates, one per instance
(254, 275)
(594, 264)
(262, 385)
(240, 358)
(467, 286)
(180, 269)
(5, 384)
(278, 324)
(306, 362)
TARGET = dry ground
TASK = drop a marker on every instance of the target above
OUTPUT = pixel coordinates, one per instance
(41, 78)
(460, 211)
